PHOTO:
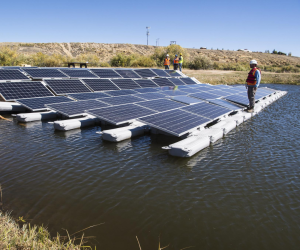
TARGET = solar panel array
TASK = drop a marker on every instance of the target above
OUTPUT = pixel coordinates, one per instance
(44, 73)
(146, 83)
(100, 84)
(176, 81)
(119, 100)
(186, 100)
(12, 74)
(121, 92)
(147, 90)
(160, 73)
(172, 72)
(125, 83)
(88, 96)
(145, 73)
(225, 104)
(106, 73)
(205, 95)
(127, 73)
(161, 105)
(62, 87)
(163, 82)
(78, 73)
(151, 96)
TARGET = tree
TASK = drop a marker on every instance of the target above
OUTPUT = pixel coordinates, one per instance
(290, 54)
(274, 52)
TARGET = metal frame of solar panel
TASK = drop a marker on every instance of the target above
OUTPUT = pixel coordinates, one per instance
(152, 96)
(106, 73)
(38, 74)
(68, 86)
(121, 114)
(145, 73)
(176, 122)
(127, 73)
(11, 91)
(205, 95)
(207, 110)
(12, 74)
(176, 81)
(163, 82)
(76, 108)
(88, 96)
(78, 73)
(173, 73)
(161, 105)
(100, 84)
(186, 100)
(125, 83)
(119, 100)
(38, 103)
(226, 104)
(146, 83)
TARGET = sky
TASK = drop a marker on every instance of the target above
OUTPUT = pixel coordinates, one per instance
(254, 25)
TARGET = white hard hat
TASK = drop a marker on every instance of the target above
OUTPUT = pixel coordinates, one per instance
(167, 54)
(253, 62)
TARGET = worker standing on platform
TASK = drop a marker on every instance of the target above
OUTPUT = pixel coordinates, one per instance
(252, 83)
(167, 62)
(176, 62)
(180, 62)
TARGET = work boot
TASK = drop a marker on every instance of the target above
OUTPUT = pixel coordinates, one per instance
(250, 110)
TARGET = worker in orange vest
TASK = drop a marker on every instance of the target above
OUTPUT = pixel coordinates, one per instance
(167, 62)
(176, 62)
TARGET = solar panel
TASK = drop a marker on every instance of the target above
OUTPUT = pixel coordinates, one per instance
(174, 92)
(88, 96)
(44, 73)
(207, 110)
(100, 84)
(78, 73)
(205, 95)
(240, 99)
(225, 104)
(106, 73)
(11, 91)
(219, 92)
(267, 90)
(12, 74)
(62, 87)
(190, 90)
(121, 92)
(176, 81)
(119, 100)
(125, 83)
(38, 104)
(161, 105)
(195, 86)
(147, 90)
(172, 72)
(127, 73)
(186, 99)
(72, 109)
(163, 82)
(10, 67)
(145, 73)
(176, 122)
(121, 114)
(146, 83)
(151, 96)
(182, 87)
(160, 73)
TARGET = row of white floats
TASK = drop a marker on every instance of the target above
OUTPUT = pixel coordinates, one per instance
(195, 141)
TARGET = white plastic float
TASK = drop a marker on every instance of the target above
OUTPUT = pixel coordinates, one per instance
(11, 107)
(65, 125)
(30, 117)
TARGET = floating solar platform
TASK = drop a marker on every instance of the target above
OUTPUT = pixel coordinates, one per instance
(176, 81)
(121, 92)
(12, 74)
(145, 73)
(100, 84)
(11, 91)
(62, 87)
(172, 73)
(146, 83)
(127, 73)
(163, 82)
(78, 73)
(151, 96)
(72, 109)
(88, 96)
(119, 100)
(186, 100)
(188, 81)
(106, 73)
(226, 104)
(160, 72)
(44, 73)
(207, 110)
(125, 83)
(121, 114)
(147, 90)
(38, 104)
(176, 122)
(174, 92)
(161, 105)
(205, 95)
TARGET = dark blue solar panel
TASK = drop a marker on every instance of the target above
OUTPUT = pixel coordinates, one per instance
(176, 81)
(44, 73)
(172, 72)
(163, 82)
(145, 73)
(188, 80)
(38, 104)
(176, 122)
(61, 87)
(125, 83)
(186, 99)
(207, 110)
(119, 100)
(225, 104)
(190, 90)
(240, 99)
(12, 74)
(160, 72)
(151, 96)
(219, 92)
(121, 114)
(121, 92)
(146, 83)
(100, 84)
(78, 73)
(173, 92)
(147, 90)
(106, 73)
(161, 105)
(205, 95)
(88, 96)
(127, 73)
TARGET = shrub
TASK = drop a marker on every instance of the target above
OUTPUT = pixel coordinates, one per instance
(201, 62)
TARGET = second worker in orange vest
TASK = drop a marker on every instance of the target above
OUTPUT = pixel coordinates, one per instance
(167, 62)
(176, 62)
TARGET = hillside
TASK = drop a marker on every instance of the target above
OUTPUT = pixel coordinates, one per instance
(107, 51)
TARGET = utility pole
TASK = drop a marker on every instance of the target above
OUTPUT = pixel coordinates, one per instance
(157, 42)
(147, 33)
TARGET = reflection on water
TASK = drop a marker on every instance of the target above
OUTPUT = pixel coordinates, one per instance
(240, 193)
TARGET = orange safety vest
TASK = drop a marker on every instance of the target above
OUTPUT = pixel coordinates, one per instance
(251, 80)
(167, 61)
(176, 61)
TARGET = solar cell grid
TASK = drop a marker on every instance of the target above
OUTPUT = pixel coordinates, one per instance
(176, 81)
(151, 96)
(88, 96)
(160, 73)
(187, 80)
(119, 100)
(225, 104)
(205, 95)
(78, 73)
(161, 105)
(219, 92)
(121, 92)
(11, 91)
(147, 90)
(61, 87)
(190, 90)
(106, 73)
(125, 83)
(186, 100)
(100, 84)
(163, 82)
(207, 110)
(38, 104)
(127, 73)
(145, 73)
(146, 83)
(241, 99)
(173, 92)
(44, 73)
(12, 74)
(176, 122)
(172, 72)
(78, 108)
(121, 114)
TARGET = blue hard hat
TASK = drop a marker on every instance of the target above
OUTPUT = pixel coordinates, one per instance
(175, 55)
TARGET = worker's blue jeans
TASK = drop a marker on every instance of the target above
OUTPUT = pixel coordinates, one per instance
(180, 66)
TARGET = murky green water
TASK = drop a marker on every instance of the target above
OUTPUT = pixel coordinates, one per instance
(241, 193)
